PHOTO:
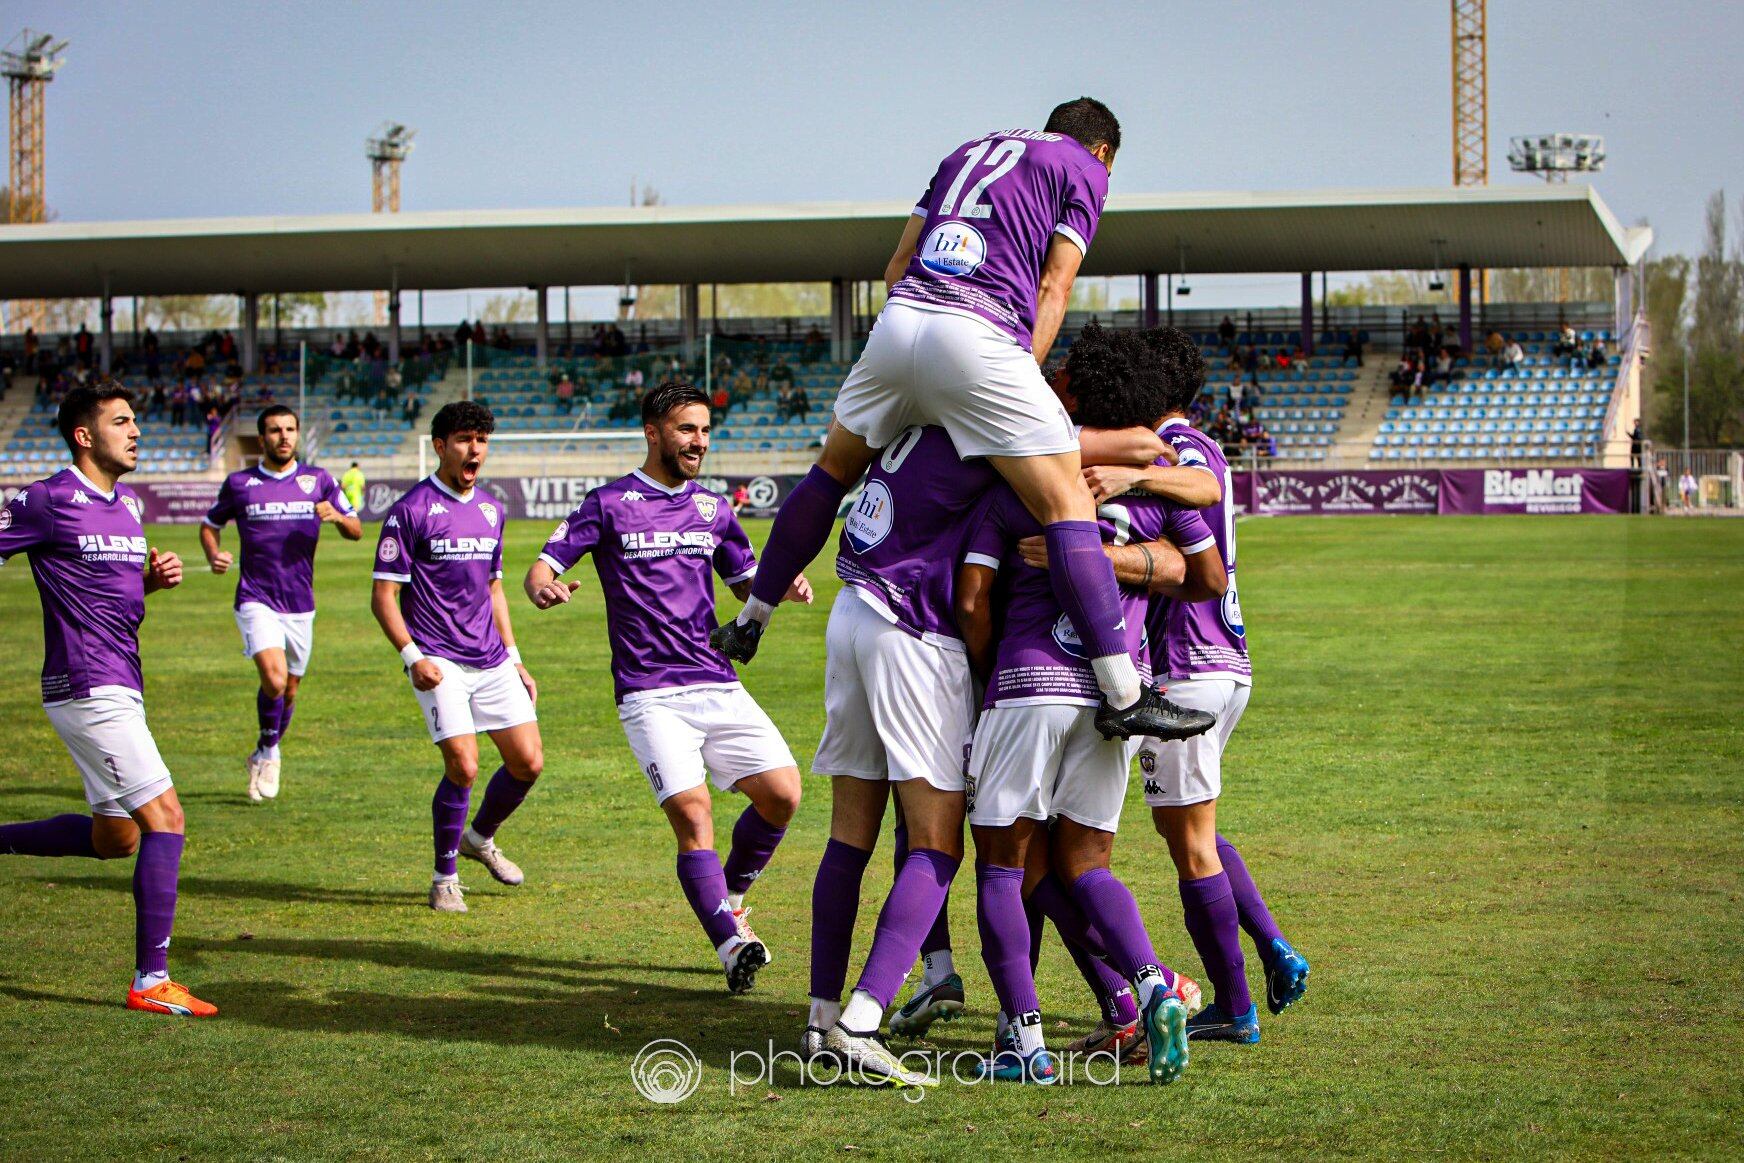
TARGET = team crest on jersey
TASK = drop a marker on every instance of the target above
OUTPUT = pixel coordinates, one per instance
(5, 518)
(490, 513)
(1147, 762)
(134, 507)
(390, 550)
(706, 505)
(307, 484)
(559, 533)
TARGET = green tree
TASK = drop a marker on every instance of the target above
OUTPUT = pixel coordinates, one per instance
(1712, 344)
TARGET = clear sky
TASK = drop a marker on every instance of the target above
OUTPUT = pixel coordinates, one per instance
(178, 108)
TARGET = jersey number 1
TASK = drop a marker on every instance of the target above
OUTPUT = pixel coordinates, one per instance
(1002, 161)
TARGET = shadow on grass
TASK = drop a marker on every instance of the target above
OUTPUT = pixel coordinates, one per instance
(269, 890)
(19, 791)
(415, 955)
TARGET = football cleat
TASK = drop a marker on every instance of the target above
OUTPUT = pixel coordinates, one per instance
(813, 1049)
(742, 964)
(1191, 995)
(737, 640)
(504, 870)
(267, 782)
(1006, 1065)
(866, 1060)
(940, 1002)
(1165, 1024)
(447, 896)
(1109, 1039)
(254, 796)
(167, 997)
(1152, 715)
(1211, 1025)
(1286, 976)
(741, 918)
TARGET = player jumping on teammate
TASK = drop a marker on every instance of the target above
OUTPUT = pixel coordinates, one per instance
(279, 507)
(439, 598)
(979, 282)
(654, 536)
(93, 568)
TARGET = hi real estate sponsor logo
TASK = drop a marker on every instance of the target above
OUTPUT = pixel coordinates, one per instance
(1533, 490)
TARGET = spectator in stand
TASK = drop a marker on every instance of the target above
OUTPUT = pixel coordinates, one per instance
(721, 401)
(1567, 345)
(1226, 334)
(1281, 358)
(781, 376)
(801, 405)
(1443, 373)
(1494, 344)
(1597, 357)
(214, 421)
(1513, 356)
(723, 370)
(1403, 375)
(743, 385)
(1236, 391)
(1353, 348)
(1687, 488)
(740, 499)
(633, 380)
(565, 394)
(410, 408)
(82, 344)
(1250, 363)
(814, 345)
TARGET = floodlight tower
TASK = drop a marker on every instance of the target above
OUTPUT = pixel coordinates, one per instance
(29, 63)
(386, 150)
(1553, 157)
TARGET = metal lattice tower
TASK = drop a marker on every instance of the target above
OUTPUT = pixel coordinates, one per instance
(1471, 95)
(386, 150)
(29, 63)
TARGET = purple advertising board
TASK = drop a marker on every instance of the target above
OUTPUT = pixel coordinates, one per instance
(1319, 492)
(1371, 492)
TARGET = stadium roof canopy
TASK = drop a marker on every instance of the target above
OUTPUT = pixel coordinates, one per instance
(1207, 233)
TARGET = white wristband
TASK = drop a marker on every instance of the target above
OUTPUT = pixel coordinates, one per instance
(410, 654)
(515, 655)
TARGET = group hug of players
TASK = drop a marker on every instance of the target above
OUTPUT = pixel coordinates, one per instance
(1022, 558)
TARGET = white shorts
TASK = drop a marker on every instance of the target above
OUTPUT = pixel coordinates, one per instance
(925, 366)
(469, 700)
(681, 735)
(113, 750)
(264, 628)
(895, 707)
(1183, 772)
(1045, 760)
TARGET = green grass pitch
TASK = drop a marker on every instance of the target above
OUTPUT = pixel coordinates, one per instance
(1490, 781)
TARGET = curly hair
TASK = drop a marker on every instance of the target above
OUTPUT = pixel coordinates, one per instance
(668, 394)
(462, 416)
(1116, 377)
(1183, 365)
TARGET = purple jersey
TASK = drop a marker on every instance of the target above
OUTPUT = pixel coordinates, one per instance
(1203, 639)
(653, 548)
(1041, 659)
(900, 544)
(990, 212)
(88, 554)
(275, 518)
(445, 550)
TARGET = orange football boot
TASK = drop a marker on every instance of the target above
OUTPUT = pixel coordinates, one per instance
(167, 997)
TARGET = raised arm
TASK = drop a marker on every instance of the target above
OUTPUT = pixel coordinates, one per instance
(1185, 485)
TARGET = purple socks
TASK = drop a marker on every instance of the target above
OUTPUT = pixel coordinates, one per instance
(448, 815)
(155, 871)
(1005, 938)
(1249, 904)
(285, 718)
(835, 903)
(914, 904)
(68, 835)
(269, 712)
(754, 841)
(1113, 993)
(502, 796)
(705, 887)
(802, 526)
(1083, 581)
(1211, 922)
(1108, 904)
(938, 938)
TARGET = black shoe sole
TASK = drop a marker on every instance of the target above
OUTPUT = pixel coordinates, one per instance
(1113, 728)
(743, 975)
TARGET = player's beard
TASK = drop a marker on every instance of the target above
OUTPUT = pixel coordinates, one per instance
(678, 468)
